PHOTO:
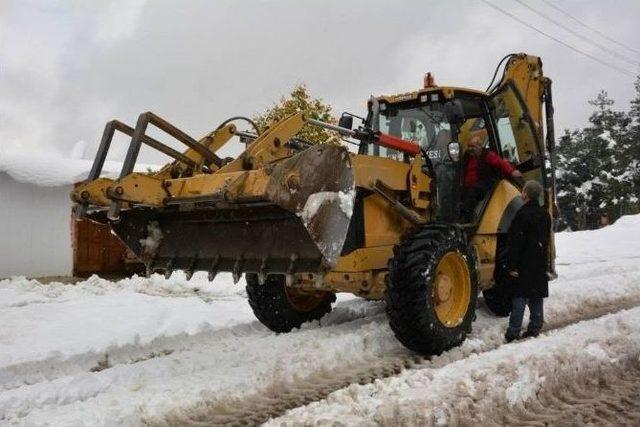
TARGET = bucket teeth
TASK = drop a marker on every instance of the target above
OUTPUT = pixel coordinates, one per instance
(213, 269)
(149, 268)
(262, 274)
(212, 275)
(168, 270)
(237, 270)
(189, 271)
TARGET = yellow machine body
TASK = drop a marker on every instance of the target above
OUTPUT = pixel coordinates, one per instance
(389, 198)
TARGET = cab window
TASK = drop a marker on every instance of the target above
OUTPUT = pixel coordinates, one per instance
(426, 125)
(518, 139)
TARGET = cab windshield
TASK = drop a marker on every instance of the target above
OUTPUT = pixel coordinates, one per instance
(424, 124)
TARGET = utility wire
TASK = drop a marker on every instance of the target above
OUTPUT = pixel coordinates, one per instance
(526, 24)
(581, 36)
(595, 30)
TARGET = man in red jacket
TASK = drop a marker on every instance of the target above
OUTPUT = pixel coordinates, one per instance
(481, 166)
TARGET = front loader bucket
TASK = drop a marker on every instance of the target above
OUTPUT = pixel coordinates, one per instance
(298, 226)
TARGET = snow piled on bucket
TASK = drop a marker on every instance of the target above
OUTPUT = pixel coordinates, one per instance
(316, 200)
(326, 215)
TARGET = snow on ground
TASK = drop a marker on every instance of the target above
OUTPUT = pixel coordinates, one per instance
(619, 241)
(136, 350)
(469, 390)
(40, 321)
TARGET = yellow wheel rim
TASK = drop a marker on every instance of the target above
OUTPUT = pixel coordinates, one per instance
(452, 289)
(303, 301)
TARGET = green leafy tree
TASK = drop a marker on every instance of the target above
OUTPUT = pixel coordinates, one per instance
(299, 100)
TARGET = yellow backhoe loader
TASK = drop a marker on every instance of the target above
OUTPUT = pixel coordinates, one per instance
(303, 221)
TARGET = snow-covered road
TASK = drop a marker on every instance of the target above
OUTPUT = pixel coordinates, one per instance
(155, 350)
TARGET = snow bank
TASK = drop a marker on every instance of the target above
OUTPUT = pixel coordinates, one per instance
(39, 321)
(618, 241)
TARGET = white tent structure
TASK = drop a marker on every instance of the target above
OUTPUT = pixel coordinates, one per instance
(35, 212)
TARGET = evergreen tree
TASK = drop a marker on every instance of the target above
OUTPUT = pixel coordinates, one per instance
(633, 146)
(598, 166)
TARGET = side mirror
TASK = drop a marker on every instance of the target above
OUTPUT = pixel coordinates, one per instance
(454, 151)
(454, 112)
(346, 122)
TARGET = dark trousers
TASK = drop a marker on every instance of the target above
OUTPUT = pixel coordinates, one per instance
(471, 196)
(536, 314)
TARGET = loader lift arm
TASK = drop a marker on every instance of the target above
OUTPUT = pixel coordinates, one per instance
(96, 190)
(136, 142)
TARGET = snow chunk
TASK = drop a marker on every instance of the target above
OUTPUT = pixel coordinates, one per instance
(152, 241)
(525, 388)
(316, 200)
(596, 351)
(346, 202)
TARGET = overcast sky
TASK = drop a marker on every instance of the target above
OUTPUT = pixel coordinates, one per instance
(67, 67)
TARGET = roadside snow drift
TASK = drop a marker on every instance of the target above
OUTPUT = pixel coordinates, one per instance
(157, 351)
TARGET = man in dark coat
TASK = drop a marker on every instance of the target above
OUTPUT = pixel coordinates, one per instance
(527, 262)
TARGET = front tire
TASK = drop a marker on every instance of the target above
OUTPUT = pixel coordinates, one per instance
(432, 290)
(282, 308)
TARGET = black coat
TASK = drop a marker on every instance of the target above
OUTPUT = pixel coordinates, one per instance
(528, 251)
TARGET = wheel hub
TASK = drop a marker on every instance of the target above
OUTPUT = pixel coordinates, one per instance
(303, 301)
(452, 289)
(443, 287)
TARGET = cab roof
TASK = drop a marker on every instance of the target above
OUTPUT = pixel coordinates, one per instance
(447, 92)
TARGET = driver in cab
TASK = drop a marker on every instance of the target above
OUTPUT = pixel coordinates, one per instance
(481, 166)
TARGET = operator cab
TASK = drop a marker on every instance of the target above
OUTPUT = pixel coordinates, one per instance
(443, 120)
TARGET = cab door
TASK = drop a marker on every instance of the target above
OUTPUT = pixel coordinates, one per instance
(520, 141)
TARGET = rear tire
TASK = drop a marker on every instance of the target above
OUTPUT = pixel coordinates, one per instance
(432, 290)
(497, 298)
(282, 308)
(497, 301)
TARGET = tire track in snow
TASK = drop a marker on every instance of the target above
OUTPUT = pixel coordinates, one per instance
(585, 374)
(279, 397)
(58, 366)
(608, 396)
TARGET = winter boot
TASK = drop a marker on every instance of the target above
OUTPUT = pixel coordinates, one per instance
(510, 336)
(531, 333)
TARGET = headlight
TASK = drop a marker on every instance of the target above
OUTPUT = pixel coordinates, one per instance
(454, 150)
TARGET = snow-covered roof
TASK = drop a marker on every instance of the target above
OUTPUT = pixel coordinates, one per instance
(54, 171)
